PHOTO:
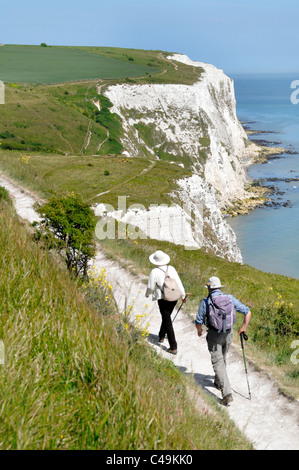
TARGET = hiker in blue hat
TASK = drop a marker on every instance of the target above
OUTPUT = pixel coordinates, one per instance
(218, 313)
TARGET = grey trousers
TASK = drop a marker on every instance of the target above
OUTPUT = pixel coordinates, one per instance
(218, 345)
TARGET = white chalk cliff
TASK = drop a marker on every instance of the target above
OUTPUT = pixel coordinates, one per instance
(197, 122)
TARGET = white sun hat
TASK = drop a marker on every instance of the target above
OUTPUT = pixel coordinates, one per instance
(214, 283)
(159, 258)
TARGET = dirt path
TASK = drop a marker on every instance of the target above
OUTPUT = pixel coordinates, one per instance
(269, 420)
(105, 140)
(87, 138)
(145, 170)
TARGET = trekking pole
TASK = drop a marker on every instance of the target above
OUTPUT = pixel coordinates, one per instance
(184, 301)
(243, 335)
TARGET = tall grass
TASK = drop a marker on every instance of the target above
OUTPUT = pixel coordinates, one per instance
(72, 379)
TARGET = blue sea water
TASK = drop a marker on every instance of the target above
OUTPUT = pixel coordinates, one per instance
(268, 237)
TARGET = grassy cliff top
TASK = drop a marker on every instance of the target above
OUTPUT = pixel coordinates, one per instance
(50, 95)
(56, 64)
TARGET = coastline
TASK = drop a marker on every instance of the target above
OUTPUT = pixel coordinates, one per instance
(259, 195)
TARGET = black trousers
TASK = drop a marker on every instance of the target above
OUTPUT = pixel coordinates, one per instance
(166, 328)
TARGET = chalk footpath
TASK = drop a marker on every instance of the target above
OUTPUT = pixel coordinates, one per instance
(269, 420)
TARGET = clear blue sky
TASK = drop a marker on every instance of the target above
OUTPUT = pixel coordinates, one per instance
(235, 35)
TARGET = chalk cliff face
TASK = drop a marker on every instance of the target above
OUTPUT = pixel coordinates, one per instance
(195, 124)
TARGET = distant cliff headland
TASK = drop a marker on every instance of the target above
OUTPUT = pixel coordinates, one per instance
(173, 118)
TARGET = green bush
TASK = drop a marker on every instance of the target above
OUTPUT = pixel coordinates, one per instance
(68, 224)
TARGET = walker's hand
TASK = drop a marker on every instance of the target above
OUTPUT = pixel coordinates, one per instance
(186, 296)
(199, 329)
(244, 335)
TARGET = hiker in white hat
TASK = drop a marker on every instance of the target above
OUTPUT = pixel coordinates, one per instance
(166, 287)
(218, 313)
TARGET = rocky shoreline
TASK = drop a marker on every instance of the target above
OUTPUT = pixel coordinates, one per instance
(262, 195)
(259, 197)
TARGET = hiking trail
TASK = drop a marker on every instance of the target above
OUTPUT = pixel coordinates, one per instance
(269, 420)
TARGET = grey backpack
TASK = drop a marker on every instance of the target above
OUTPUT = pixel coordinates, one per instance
(170, 289)
(222, 313)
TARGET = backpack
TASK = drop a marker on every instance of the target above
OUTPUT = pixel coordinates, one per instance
(170, 289)
(222, 313)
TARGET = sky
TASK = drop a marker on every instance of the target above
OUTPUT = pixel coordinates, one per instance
(237, 36)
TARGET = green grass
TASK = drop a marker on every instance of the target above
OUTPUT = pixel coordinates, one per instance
(57, 64)
(170, 72)
(36, 64)
(32, 120)
(88, 176)
(73, 378)
(58, 119)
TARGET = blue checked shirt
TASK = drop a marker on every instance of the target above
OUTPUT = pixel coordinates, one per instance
(202, 314)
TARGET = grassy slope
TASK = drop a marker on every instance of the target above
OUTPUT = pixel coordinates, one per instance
(58, 117)
(72, 380)
(64, 174)
(35, 119)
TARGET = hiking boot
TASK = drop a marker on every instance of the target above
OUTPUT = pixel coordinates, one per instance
(161, 340)
(226, 400)
(172, 351)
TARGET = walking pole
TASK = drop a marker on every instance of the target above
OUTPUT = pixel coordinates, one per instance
(243, 335)
(181, 305)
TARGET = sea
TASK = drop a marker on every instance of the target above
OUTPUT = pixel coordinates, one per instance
(268, 237)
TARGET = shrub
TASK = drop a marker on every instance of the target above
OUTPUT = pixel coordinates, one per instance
(68, 224)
